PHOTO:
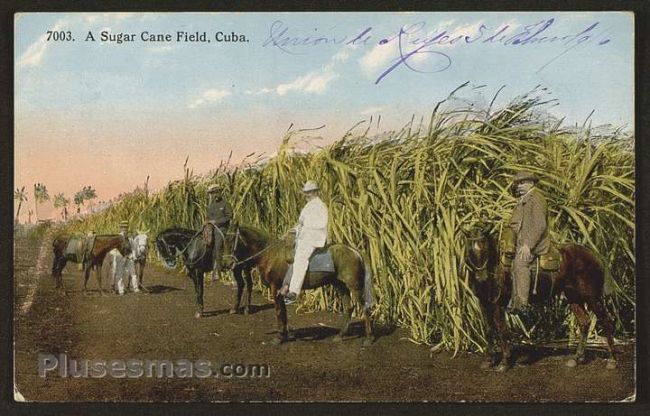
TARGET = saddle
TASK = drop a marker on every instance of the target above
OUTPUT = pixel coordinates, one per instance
(209, 232)
(547, 262)
(317, 252)
(319, 262)
(79, 247)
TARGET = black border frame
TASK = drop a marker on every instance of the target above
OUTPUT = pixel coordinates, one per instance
(642, 149)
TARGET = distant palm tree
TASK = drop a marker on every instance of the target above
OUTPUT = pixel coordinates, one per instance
(61, 202)
(89, 194)
(40, 196)
(79, 200)
(21, 196)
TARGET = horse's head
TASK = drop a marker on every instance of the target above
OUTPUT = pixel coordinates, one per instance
(231, 244)
(121, 243)
(139, 246)
(478, 251)
(166, 250)
(246, 244)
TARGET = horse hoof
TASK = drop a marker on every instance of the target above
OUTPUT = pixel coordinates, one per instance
(198, 315)
(277, 341)
(247, 311)
(233, 311)
(485, 365)
(367, 342)
(337, 339)
(611, 364)
(571, 363)
(502, 368)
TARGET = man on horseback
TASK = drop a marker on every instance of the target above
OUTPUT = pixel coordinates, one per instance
(530, 226)
(311, 233)
(219, 214)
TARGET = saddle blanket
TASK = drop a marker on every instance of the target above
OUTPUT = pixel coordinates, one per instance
(320, 261)
(71, 248)
(78, 246)
(75, 248)
(549, 262)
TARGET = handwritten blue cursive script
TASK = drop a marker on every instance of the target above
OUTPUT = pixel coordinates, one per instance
(415, 41)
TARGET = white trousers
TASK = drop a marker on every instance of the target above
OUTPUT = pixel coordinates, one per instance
(300, 265)
(124, 266)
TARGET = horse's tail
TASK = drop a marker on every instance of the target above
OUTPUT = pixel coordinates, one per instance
(609, 283)
(368, 297)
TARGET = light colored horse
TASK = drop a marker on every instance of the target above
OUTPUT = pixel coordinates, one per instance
(131, 265)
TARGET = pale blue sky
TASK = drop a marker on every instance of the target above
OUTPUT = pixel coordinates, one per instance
(138, 75)
(207, 99)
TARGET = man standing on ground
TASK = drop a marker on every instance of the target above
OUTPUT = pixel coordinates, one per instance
(530, 226)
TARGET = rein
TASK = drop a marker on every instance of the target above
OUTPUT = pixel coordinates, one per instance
(184, 250)
(475, 267)
(484, 266)
(237, 262)
(181, 252)
(469, 260)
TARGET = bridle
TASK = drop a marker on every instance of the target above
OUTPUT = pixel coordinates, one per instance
(469, 258)
(481, 268)
(238, 262)
(141, 252)
(180, 252)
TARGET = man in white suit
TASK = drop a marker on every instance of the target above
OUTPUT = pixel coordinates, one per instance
(311, 233)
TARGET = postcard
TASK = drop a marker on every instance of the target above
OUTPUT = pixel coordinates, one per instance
(324, 206)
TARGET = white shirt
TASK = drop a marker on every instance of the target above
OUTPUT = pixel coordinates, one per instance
(312, 224)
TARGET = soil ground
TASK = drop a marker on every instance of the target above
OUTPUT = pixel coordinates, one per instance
(310, 367)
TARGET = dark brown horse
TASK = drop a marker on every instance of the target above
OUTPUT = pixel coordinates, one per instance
(581, 278)
(253, 247)
(93, 255)
(61, 258)
(196, 249)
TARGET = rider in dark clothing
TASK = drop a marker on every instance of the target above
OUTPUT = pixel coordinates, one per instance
(219, 214)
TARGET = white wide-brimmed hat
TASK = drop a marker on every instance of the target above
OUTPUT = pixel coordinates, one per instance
(310, 186)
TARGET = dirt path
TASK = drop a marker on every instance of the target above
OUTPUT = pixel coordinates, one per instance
(160, 326)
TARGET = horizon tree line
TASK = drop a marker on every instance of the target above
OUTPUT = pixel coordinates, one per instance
(60, 201)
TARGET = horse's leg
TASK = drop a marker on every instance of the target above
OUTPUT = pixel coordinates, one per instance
(133, 277)
(344, 292)
(57, 269)
(502, 331)
(491, 359)
(583, 324)
(86, 269)
(140, 272)
(605, 321)
(98, 276)
(358, 296)
(237, 273)
(197, 278)
(280, 314)
(248, 279)
(55, 262)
